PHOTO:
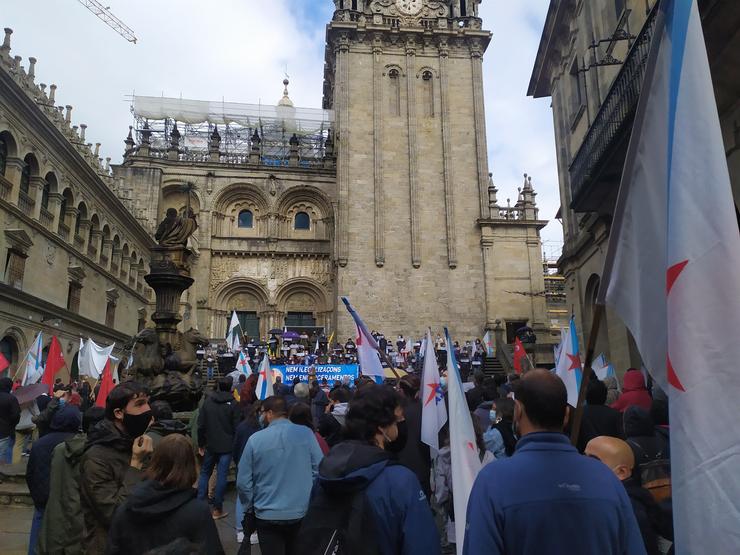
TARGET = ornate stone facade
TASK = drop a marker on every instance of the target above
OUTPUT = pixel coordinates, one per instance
(73, 256)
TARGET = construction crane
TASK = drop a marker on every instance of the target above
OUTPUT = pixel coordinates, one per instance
(104, 14)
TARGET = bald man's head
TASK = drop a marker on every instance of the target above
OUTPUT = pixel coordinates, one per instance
(543, 400)
(614, 453)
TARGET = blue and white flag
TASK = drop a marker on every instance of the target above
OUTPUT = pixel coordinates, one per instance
(568, 366)
(433, 411)
(234, 335)
(243, 365)
(466, 462)
(265, 380)
(34, 370)
(603, 368)
(671, 274)
(368, 351)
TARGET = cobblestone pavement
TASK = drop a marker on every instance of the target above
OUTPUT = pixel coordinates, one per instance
(15, 526)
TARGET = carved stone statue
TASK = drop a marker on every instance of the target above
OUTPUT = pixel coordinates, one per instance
(175, 230)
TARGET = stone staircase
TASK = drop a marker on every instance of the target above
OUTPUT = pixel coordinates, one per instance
(492, 366)
(13, 488)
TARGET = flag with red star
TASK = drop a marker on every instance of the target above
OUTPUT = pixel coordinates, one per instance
(265, 380)
(671, 275)
(433, 412)
(568, 366)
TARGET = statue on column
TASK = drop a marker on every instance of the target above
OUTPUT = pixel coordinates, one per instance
(175, 230)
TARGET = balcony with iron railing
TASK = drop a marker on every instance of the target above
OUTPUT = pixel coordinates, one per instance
(25, 203)
(597, 166)
(46, 218)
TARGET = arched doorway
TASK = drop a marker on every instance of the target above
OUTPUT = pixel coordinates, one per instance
(9, 350)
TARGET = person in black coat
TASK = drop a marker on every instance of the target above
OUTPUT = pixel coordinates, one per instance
(415, 454)
(65, 424)
(217, 422)
(598, 419)
(164, 507)
(10, 414)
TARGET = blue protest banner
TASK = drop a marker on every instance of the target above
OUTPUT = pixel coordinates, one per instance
(332, 372)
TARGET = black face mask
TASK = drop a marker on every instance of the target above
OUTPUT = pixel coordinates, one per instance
(136, 424)
(399, 443)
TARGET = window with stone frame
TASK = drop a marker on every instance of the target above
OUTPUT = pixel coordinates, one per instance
(394, 79)
(74, 294)
(110, 314)
(246, 219)
(3, 156)
(577, 97)
(15, 267)
(26, 177)
(302, 221)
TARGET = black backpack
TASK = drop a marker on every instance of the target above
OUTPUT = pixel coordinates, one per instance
(338, 524)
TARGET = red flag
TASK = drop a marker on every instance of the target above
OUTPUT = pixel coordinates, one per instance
(519, 354)
(106, 386)
(54, 363)
(3, 363)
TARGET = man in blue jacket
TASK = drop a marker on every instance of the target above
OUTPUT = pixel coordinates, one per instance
(276, 473)
(547, 498)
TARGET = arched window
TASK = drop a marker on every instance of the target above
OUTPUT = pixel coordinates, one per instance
(246, 219)
(45, 195)
(26, 176)
(428, 93)
(395, 92)
(9, 349)
(3, 155)
(302, 221)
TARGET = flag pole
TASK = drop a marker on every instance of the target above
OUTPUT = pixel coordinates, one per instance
(590, 349)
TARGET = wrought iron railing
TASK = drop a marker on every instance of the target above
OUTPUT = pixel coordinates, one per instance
(615, 115)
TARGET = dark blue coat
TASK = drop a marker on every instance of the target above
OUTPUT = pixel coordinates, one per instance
(548, 500)
(403, 521)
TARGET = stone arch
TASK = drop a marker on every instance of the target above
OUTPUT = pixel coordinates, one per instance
(174, 196)
(234, 199)
(311, 201)
(302, 296)
(8, 149)
(16, 341)
(249, 299)
(51, 185)
(29, 170)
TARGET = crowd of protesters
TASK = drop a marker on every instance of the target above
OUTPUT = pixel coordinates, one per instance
(341, 468)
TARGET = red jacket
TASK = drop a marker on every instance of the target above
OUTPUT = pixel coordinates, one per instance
(634, 392)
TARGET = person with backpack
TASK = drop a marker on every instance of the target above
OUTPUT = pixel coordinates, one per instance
(363, 502)
(651, 451)
(653, 519)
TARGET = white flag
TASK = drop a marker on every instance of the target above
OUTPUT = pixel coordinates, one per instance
(433, 412)
(34, 370)
(233, 336)
(264, 380)
(466, 461)
(367, 347)
(93, 358)
(672, 276)
(568, 364)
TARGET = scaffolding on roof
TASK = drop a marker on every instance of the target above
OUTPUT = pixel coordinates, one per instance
(236, 122)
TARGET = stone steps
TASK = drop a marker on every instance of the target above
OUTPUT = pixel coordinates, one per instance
(13, 488)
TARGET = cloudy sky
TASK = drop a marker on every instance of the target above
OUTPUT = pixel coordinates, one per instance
(238, 50)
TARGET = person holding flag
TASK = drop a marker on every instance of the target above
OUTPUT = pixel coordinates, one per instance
(577, 506)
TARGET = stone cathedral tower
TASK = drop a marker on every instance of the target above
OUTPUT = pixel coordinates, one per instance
(420, 238)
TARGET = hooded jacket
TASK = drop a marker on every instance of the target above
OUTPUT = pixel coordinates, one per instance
(62, 527)
(106, 478)
(65, 424)
(641, 437)
(217, 422)
(634, 392)
(162, 428)
(402, 518)
(10, 410)
(154, 516)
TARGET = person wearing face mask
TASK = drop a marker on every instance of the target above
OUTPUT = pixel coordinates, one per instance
(276, 472)
(363, 502)
(547, 498)
(115, 453)
(414, 455)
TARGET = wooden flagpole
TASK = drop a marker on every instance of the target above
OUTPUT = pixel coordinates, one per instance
(578, 417)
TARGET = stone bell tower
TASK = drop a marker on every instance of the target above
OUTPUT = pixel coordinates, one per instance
(405, 80)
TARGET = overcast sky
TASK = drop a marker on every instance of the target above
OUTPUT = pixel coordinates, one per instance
(239, 50)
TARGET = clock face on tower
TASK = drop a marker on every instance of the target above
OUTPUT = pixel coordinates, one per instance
(409, 7)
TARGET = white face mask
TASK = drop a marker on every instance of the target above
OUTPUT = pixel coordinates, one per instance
(492, 416)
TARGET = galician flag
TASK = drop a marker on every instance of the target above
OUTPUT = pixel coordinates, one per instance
(466, 462)
(233, 336)
(568, 366)
(488, 342)
(433, 412)
(34, 371)
(242, 365)
(603, 368)
(671, 274)
(367, 348)
(264, 380)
